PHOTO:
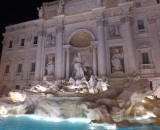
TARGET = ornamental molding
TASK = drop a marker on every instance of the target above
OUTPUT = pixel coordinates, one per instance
(79, 18)
(98, 12)
(88, 16)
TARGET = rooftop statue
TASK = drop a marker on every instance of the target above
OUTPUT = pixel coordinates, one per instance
(60, 10)
(40, 12)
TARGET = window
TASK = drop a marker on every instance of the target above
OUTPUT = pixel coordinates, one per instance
(17, 87)
(145, 58)
(138, 4)
(19, 68)
(22, 42)
(140, 24)
(10, 44)
(7, 69)
(35, 40)
(158, 1)
(33, 66)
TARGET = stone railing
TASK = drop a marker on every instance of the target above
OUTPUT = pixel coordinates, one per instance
(146, 66)
(6, 74)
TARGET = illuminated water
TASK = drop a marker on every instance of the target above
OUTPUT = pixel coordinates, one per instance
(36, 123)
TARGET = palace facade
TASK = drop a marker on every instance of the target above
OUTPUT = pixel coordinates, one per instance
(115, 38)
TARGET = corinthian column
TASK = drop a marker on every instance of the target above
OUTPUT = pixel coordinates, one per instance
(129, 45)
(59, 53)
(101, 48)
(94, 60)
(40, 45)
(153, 29)
(67, 63)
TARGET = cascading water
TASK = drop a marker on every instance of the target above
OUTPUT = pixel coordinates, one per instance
(117, 107)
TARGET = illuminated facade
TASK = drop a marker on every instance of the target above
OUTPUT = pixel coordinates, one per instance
(115, 39)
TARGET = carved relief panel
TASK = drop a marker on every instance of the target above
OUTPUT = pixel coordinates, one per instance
(114, 31)
(50, 40)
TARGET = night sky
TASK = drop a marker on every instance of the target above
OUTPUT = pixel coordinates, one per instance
(16, 11)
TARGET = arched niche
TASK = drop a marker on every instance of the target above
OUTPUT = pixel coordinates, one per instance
(81, 38)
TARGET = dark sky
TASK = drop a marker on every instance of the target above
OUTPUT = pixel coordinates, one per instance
(16, 11)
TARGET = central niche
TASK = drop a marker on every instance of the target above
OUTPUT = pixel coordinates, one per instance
(80, 40)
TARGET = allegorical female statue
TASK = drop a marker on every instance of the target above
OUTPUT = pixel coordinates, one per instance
(40, 12)
(79, 69)
(50, 66)
(116, 61)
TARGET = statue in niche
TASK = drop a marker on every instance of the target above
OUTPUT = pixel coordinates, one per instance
(50, 66)
(79, 69)
(40, 12)
(117, 61)
(60, 10)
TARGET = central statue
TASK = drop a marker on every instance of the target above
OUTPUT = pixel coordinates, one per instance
(79, 69)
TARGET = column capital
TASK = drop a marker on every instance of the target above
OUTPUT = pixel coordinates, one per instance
(60, 29)
(127, 19)
(94, 44)
(152, 19)
(101, 22)
(42, 33)
(66, 48)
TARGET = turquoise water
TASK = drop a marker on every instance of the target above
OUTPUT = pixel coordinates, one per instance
(36, 123)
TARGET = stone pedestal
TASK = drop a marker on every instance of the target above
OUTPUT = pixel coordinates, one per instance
(49, 78)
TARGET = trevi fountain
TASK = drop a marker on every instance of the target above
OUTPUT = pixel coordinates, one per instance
(99, 102)
(83, 66)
